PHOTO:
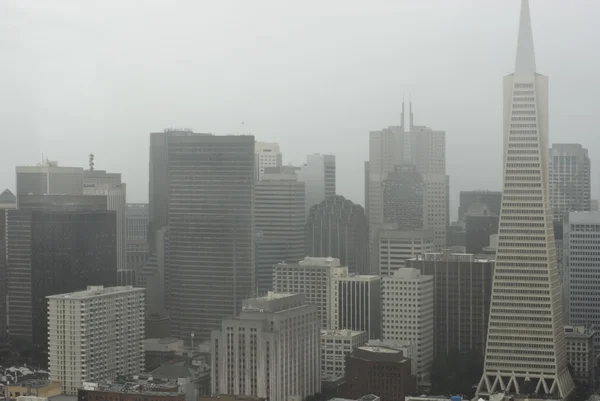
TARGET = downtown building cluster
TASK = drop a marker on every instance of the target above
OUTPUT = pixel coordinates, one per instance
(292, 289)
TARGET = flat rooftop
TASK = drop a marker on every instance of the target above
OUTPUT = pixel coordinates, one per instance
(96, 291)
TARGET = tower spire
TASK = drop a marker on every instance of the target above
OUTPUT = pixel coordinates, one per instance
(525, 64)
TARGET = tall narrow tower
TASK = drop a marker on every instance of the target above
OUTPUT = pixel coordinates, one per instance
(525, 350)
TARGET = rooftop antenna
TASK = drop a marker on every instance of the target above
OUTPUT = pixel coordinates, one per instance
(91, 162)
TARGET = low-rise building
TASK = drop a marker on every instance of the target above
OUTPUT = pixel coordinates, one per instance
(580, 352)
(335, 346)
(132, 389)
(34, 387)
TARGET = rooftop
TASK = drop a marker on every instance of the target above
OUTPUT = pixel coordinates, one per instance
(382, 350)
(341, 333)
(96, 291)
(8, 197)
(133, 385)
(33, 383)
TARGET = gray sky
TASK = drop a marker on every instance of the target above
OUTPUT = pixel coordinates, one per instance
(81, 76)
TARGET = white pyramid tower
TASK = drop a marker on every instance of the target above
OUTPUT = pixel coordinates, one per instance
(526, 345)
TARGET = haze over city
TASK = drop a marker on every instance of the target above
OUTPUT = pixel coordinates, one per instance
(86, 77)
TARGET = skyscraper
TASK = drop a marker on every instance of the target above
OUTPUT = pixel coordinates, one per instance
(581, 258)
(279, 222)
(338, 228)
(266, 155)
(49, 178)
(318, 174)
(492, 200)
(396, 246)
(137, 235)
(357, 303)
(202, 188)
(95, 334)
(403, 198)
(569, 178)
(526, 350)
(271, 351)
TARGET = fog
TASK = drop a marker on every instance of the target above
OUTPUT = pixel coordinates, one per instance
(81, 76)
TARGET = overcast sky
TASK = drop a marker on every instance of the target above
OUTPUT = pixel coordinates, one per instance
(82, 76)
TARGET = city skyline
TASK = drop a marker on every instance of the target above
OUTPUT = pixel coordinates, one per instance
(434, 98)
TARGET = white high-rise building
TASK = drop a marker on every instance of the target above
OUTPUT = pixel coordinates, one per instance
(407, 309)
(569, 178)
(95, 335)
(335, 346)
(357, 303)
(313, 277)
(265, 155)
(396, 246)
(526, 350)
(318, 174)
(116, 199)
(271, 351)
(581, 261)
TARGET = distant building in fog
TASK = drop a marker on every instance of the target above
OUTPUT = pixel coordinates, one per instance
(279, 222)
(265, 155)
(480, 224)
(202, 188)
(49, 178)
(318, 173)
(138, 218)
(569, 179)
(8, 200)
(338, 228)
(403, 198)
(492, 199)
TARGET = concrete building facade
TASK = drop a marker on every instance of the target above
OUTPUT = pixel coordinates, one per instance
(265, 155)
(336, 345)
(271, 351)
(569, 175)
(318, 175)
(313, 277)
(581, 353)
(49, 178)
(407, 309)
(279, 222)
(357, 304)
(526, 347)
(95, 334)
(396, 246)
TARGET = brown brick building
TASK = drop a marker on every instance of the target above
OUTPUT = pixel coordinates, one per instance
(381, 371)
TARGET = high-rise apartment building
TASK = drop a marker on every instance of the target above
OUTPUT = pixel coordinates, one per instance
(407, 309)
(356, 304)
(338, 228)
(569, 179)
(265, 155)
(202, 188)
(101, 183)
(279, 222)
(318, 174)
(312, 277)
(526, 350)
(51, 252)
(49, 178)
(336, 345)
(396, 246)
(403, 198)
(581, 264)
(95, 334)
(491, 200)
(138, 218)
(462, 290)
(271, 351)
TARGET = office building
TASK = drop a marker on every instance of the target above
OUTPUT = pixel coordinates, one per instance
(569, 175)
(408, 349)
(202, 188)
(491, 199)
(312, 277)
(137, 235)
(526, 348)
(581, 353)
(382, 371)
(271, 351)
(478, 230)
(336, 345)
(101, 183)
(8, 200)
(48, 178)
(132, 389)
(266, 155)
(462, 289)
(357, 304)
(403, 198)
(407, 309)
(51, 252)
(3, 277)
(279, 222)
(581, 260)
(338, 228)
(396, 246)
(63, 202)
(95, 334)
(318, 175)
